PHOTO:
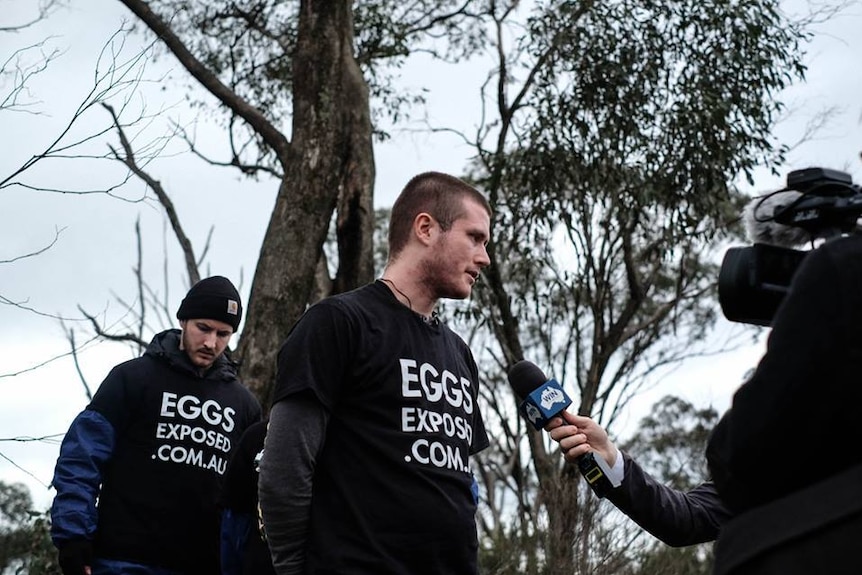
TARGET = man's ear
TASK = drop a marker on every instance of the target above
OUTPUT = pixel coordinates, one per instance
(183, 323)
(424, 226)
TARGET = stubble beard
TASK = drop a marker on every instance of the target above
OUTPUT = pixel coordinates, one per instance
(436, 278)
(201, 360)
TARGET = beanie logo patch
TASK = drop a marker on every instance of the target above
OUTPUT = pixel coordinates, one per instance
(232, 307)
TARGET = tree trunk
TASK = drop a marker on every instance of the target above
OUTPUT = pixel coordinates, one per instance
(329, 159)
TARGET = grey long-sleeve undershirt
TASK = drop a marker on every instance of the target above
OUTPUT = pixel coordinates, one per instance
(297, 427)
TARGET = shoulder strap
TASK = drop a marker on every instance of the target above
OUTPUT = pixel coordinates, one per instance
(780, 522)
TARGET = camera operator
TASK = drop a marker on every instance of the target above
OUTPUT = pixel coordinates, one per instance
(786, 489)
(786, 457)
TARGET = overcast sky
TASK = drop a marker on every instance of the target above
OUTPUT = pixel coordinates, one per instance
(93, 258)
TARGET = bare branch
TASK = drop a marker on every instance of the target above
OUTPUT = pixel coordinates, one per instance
(119, 77)
(21, 73)
(247, 169)
(819, 12)
(57, 232)
(140, 279)
(20, 305)
(256, 119)
(46, 362)
(128, 158)
(207, 245)
(814, 127)
(24, 470)
(101, 334)
(71, 335)
(422, 23)
(43, 10)
(53, 439)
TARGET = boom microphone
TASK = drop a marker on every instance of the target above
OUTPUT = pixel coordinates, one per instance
(760, 224)
(542, 399)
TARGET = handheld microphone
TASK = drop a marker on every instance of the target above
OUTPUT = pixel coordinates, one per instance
(542, 399)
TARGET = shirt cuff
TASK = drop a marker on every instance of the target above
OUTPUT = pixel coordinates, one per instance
(618, 471)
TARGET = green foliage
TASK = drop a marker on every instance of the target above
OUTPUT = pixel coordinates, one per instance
(695, 560)
(25, 542)
(503, 553)
(622, 128)
(671, 444)
(15, 504)
(250, 45)
(42, 556)
(634, 121)
(667, 101)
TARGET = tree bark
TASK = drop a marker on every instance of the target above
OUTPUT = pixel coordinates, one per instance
(329, 159)
(328, 165)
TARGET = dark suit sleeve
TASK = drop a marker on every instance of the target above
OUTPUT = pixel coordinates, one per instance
(677, 518)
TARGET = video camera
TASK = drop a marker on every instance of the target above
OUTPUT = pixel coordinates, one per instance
(818, 203)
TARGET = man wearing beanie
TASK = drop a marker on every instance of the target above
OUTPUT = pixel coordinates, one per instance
(140, 469)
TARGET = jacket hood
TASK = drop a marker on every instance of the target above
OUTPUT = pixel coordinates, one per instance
(165, 346)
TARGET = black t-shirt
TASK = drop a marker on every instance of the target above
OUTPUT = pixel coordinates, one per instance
(392, 484)
(175, 430)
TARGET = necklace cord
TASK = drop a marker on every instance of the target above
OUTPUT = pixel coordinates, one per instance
(429, 320)
(395, 287)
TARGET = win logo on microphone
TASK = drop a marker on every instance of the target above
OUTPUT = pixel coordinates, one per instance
(543, 403)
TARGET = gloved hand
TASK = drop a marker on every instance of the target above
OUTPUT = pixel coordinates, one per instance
(76, 557)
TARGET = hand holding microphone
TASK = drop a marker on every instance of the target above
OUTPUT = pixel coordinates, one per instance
(578, 435)
(542, 400)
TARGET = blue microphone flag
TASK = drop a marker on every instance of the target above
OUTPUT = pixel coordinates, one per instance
(543, 403)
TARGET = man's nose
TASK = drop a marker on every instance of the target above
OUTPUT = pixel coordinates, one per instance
(484, 259)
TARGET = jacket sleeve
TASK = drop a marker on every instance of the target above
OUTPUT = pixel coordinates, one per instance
(235, 529)
(85, 449)
(677, 518)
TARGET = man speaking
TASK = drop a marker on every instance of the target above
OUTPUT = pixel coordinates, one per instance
(366, 465)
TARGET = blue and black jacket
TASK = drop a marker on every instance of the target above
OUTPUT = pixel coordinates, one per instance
(141, 468)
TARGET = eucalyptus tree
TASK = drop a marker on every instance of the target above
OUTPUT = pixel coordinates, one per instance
(294, 81)
(615, 133)
(25, 541)
(670, 443)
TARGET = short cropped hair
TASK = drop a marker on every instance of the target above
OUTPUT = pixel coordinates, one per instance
(439, 195)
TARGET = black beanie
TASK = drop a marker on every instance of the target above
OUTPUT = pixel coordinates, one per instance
(212, 298)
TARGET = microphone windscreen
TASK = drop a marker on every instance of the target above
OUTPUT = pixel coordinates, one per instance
(524, 377)
(761, 227)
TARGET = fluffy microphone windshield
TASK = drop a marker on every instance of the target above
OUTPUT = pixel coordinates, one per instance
(760, 224)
